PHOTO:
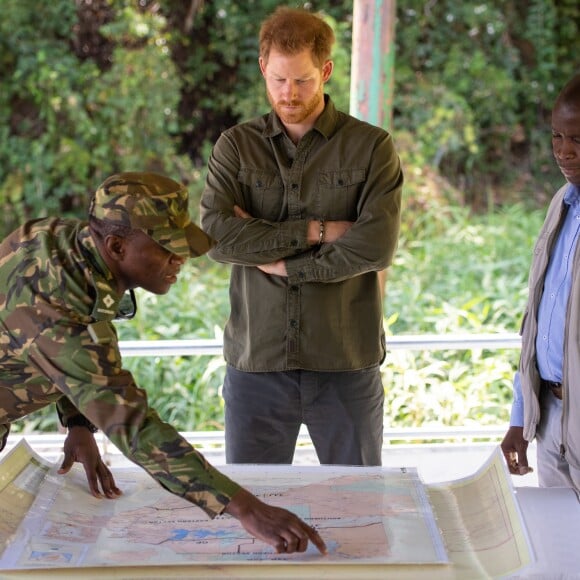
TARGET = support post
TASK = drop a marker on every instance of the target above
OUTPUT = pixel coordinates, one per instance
(373, 67)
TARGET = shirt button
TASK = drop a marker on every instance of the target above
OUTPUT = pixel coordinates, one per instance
(258, 183)
(293, 242)
(294, 288)
(294, 186)
(293, 324)
(301, 274)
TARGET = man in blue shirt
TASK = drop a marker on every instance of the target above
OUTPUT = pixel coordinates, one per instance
(546, 387)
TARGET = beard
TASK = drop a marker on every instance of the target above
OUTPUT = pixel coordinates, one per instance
(304, 109)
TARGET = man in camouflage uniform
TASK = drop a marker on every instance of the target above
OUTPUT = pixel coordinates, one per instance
(62, 282)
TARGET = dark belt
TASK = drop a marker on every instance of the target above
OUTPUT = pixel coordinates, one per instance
(556, 388)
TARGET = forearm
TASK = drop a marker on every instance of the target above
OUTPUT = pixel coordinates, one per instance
(176, 465)
(517, 411)
(141, 436)
(123, 414)
(111, 400)
(253, 242)
(370, 243)
(366, 247)
(261, 237)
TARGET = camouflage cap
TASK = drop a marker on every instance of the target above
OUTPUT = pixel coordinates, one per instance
(154, 204)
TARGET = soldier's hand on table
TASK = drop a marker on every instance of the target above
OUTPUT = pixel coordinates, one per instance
(278, 527)
(515, 451)
(80, 445)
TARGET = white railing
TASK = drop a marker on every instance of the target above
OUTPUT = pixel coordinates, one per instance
(211, 443)
(210, 346)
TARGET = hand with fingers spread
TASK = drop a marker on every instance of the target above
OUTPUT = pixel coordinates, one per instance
(278, 527)
(80, 445)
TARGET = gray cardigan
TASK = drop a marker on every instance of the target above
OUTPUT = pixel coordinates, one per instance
(530, 377)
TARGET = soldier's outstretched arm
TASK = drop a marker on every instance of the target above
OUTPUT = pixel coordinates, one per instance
(278, 527)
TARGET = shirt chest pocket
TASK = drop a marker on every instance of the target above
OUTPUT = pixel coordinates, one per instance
(263, 193)
(339, 193)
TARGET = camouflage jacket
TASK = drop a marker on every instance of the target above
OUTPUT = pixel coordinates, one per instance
(58, 344)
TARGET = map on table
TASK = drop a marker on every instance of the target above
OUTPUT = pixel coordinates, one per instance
(364, 514)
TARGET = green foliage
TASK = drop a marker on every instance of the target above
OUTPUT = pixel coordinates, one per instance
(89, 88)
(454, 388)
(339, 84)
(475, 83)
(456, 273)
(68, 122)
(464, 272)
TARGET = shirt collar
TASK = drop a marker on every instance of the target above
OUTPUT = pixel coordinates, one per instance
(108, 304)
(572, 195)
(326, 123)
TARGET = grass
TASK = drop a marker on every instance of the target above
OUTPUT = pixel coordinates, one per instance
(456, 272)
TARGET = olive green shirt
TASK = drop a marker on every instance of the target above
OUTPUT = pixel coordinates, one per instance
(327, 314)
(58, 344)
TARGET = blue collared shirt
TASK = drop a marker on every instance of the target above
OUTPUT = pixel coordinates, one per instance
(553, 305)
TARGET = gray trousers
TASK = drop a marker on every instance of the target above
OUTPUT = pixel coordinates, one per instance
(553, 470)
(343, 412)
